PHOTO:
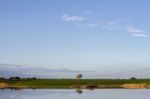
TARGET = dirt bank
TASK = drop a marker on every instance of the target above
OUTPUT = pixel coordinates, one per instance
(126, 86)
(87, 86)
(134, 86)
(3, 85)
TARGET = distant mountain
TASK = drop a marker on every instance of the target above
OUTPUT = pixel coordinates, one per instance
(9, 70)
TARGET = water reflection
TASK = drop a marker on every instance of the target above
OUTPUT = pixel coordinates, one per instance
(75, 94)
(79, 91)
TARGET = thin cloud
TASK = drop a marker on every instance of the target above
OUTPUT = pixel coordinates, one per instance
(139, 35)
(121, 25)
(111, 25)
(135, 30)
(107, 25)
(73, 18)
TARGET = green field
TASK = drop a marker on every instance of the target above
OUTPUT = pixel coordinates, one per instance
(67, 83)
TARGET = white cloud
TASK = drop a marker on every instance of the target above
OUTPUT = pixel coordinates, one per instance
(139, 35)
(134, 30)
(73, 18)
(121, 25)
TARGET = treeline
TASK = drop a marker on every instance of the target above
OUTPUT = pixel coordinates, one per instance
(34, 78)
(18, 78)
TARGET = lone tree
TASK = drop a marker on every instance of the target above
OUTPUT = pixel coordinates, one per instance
(132, 78)
(79, 76)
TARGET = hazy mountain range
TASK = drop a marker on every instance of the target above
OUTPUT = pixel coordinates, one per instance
(8, 70)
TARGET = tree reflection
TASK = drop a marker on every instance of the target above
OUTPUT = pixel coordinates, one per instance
(79, 91)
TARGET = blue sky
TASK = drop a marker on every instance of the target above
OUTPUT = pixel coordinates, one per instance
(75, 34)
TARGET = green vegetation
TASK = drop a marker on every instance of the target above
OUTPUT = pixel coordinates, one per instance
(67, 83)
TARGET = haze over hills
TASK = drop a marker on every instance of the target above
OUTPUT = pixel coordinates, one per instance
(9, 70)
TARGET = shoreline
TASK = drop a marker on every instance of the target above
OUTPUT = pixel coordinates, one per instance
(125, 86)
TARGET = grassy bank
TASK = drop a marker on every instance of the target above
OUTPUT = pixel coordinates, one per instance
(68, 83)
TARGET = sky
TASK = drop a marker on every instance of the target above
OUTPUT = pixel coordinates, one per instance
(76, 34)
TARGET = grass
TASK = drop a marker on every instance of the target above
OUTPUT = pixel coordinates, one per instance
(66, 83)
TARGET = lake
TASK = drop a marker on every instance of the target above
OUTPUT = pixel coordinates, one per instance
(75, 94)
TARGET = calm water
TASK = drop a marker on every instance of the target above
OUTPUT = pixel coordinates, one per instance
(76, 94)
